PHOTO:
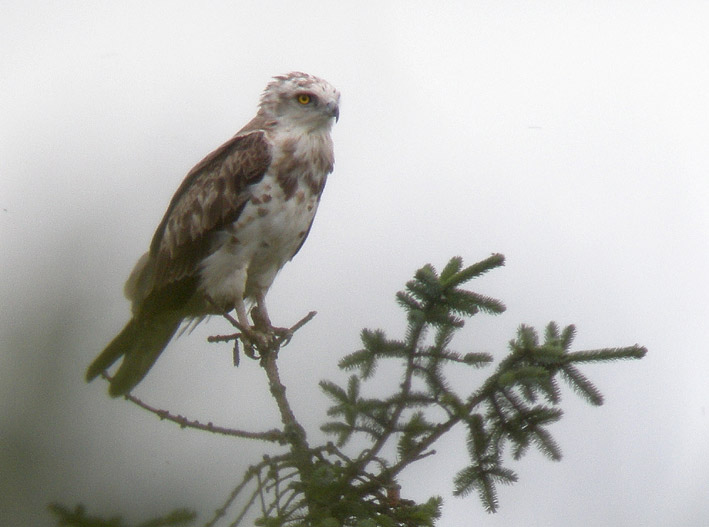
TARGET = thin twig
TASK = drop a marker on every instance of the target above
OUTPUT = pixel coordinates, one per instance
(434, 436)
(280, 340)
(399, 409)
(261, 338)
(275, 436)
(222, 510)
(248, 476)
(268, 362)
(295, 433)
(261, 491)
(245, 509)
(303, 321)
(223, 338)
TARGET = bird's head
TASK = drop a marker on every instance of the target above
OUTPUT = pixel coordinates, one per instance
(301, 100)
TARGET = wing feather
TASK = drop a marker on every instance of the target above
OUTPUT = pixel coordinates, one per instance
(212, 195)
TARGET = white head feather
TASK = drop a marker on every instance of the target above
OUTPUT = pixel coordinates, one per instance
(300, 100)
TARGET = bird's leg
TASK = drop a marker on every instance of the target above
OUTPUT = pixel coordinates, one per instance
(259, 314)
(252, 337)
(263, 321)
(241, 316)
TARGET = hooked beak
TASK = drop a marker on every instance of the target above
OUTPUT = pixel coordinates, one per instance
(334, 111)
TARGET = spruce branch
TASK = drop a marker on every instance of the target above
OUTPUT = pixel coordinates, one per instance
(221, 511)
(263, 473)
(514, 406)
(506, 416)
(274, 435)
(79, 518)
(459, 277)
(581, 385)
(608, 354)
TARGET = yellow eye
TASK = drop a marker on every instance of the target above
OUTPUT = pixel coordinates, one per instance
(303, 98)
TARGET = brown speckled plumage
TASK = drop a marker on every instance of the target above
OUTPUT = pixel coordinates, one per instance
(239, 215)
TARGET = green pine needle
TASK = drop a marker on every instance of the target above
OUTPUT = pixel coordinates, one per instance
(524, 374)
(581, 385)
(453, 266)
(608, 354)
(473, 271)
(478, 441)
(567, 336)
(477, 359)
(546, 444)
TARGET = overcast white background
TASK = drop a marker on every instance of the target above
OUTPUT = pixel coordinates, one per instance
(570, 136)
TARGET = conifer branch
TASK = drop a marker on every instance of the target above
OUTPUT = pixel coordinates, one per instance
(253, 472)
(608, 354)
(412, 344)
(274, 435)
(512, 409)
(509, 398)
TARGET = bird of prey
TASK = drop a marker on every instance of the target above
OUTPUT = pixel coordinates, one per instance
(239, 215)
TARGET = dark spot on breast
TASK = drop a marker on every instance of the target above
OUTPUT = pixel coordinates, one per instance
(265, 198)
(262, 211)
(315, 184)
(288, 183)
(255, 200)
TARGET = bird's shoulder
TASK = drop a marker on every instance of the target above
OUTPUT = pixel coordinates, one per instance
(213, 190)
(211, 195)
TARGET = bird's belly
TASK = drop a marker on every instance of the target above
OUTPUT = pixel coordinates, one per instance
(249, 253)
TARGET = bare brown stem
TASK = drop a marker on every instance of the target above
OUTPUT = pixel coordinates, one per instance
(275, 436)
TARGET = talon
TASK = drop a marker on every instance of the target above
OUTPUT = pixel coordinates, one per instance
(249, 350)
(257, 342)
(252, 340)
(284, 335)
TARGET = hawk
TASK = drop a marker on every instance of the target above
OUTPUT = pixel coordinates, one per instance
(239, 215)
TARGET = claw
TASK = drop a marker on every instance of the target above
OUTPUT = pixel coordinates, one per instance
(255, 342)
(260, 339)
(284, 335)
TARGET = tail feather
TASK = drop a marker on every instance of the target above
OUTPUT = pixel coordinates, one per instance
(140, 344)
(118, 347)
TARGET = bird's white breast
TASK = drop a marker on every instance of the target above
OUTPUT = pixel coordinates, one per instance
(248, 254)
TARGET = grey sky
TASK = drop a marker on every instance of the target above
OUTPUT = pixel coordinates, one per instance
(570, 136)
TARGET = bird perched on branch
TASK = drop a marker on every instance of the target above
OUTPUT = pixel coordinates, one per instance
(235, 220)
